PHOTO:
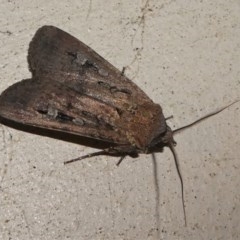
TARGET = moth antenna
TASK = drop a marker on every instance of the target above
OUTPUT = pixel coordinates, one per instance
(171, 146)
(204, 118)
(85, 156)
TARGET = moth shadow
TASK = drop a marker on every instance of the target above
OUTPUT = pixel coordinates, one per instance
(68, 137)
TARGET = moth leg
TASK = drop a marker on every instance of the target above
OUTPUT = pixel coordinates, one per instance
(85, 156)
(170, 117)
(122, 151)
(123, 71)
(120, 160)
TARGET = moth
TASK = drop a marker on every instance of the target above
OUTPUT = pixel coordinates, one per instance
(75, 90)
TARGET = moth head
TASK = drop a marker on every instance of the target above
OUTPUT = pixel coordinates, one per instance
(162, 140)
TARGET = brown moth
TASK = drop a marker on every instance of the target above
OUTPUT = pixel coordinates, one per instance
(74, 90)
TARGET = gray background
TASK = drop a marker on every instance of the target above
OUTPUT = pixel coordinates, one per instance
(184, 55)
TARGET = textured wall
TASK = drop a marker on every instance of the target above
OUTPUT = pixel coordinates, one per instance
(185, 56)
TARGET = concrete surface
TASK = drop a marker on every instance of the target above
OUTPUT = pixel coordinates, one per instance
(185, 55)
